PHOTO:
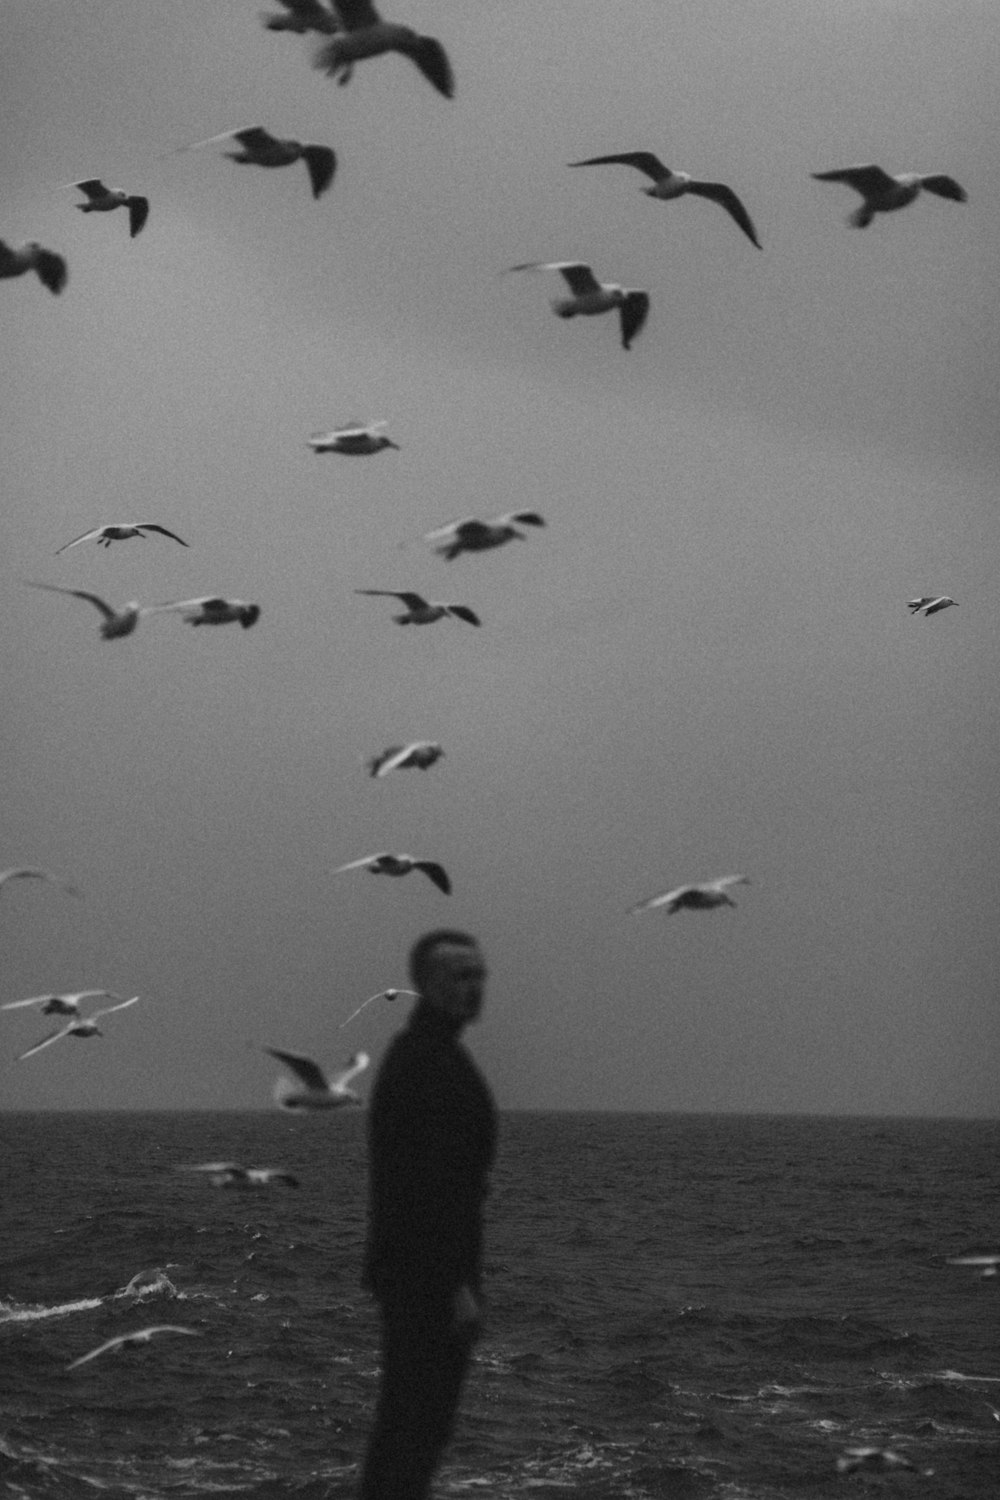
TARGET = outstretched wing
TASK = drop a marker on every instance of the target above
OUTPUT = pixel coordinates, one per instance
(30, 872)
(945, 187)
(355, 15)
(727, 199)
(633, 314)
(306, 1071)
(356, 864)
(321, 163)
(577, 273)
(463, 612)
(644, 160)
(93, 188)
(53, 1036)
(138, 213)
(412, 601)
(670, 899)
(107, 1009)
(51, 268)
(152, 526)
(65, 1004)
(85, 537)
(434, 872)
(357, 1064)
(54, 588)
(432, 60)
(522, 518)
(869, 180)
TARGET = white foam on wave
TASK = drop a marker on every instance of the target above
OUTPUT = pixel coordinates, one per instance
(15, 1312)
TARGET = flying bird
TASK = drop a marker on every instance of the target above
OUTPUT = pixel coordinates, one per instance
(929, 604)
(82, 1027)
(308, 1086)
(117, 622)
(419, 753)
(420, 611)
(668, 184)
(29, 872)
(871, 1461)
(211, 610)
(119, 532)
(591, 296)
(261, 149)
(48, 265)
(101, 200)
(701, 896)
(301, 16)
(988, 1265)
(230, 1174)
(132, 1341)
(357, 438)
(67, 1004)
(399, 864)
(365, 34)
(382, 995)
(479, 536)
(882, 193)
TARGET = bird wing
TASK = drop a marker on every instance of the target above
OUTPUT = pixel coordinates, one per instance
(141, 1335)
(945, 187)
(357, 1064)
(321, 163)
(869, 180)
(209, 1166)
(356, 864)
(11, 260)
(434, 872)
(470, 526)
(86, 537)
(727, 199)
(975, 1260)
(579, 275)
(254, 137)
(152, 526)
(644, 160)
(412, 601)
(361, 1008)
(179, 604)
(55, 588)
(355, 15)
(51, 269)
(30, 872)
(668, 898)
(463, 612)
(432, 60)
(522, 517)
(107, 1009)
(633, 314)
(93, 187)
(70, 1001)
(53, 1036)
(138, 213)
(725, 880)
(306, 1071)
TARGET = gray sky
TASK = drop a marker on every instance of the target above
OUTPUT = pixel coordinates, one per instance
(704, 665)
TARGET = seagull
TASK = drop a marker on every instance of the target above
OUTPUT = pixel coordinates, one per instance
(420, 611)
(882, 192)
(356, 438)
(929, 604)
(698, 897)
(400, 864)
(119, 532)
(301, 16)
(478, 536)
(591, 296)
(231, 1174)
(101, 200)
(212, 609)
(364, 34)
(29, 872)
(668, 184)
(261, 149)
(420, 753)
(382, 995)
(871, 1460)
(131, 1341)
(117, 622)
(48, 265)
(82, 1027)
(67, 1004)
(309, 1087)
(989, 1264)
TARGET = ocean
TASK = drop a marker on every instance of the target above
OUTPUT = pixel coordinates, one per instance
(701, 1307)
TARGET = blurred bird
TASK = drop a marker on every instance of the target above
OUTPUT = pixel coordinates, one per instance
(399, 864)
(101, 200)
(987, 1265)
(382, 995)
(301, 16)
(309, 1088)
(48, 265)
(67, 1004)
(419, 753)
(230, 1174)
(420, 611)
(697, 897)
(478, 536)
(212, 609)
(591, 296)
(261, 149)
(29, 872)
(871, 1461)
(119, 532)
(365, 34)
(929, 604)
(357, 438)
(82, 1027)
(882, 193)
(131, 1341)
(668, 184)
(117, 622)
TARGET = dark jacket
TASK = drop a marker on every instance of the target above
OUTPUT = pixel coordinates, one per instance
(431, 1143)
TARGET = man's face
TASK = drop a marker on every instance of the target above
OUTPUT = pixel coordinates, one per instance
(455, 980)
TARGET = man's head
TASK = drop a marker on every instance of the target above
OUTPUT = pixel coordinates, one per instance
(448, 970)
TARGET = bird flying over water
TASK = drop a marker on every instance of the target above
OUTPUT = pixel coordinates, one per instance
(230, 1174)
(399, 864)
(929, 604)
(365, 34)
(701, 896)
(421, 611)
(48, 265)
(882, 193)
(83, 1027)
(356, 438)
(987, 1265)
(101, 199)
(308, 1086)
(471, 535)
(132, 1341)
(301, 16)
(668, 184)
(117, 622)
(261, 149)
(382, 995)
(120, 531)
(591, 296)
(419, 753)
(66, 1004)
(212, 609)
(30, 872)
(871, 1461)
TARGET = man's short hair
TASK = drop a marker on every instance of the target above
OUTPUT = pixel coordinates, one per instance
(423, 950)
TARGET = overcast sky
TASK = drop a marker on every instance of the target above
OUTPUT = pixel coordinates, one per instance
(704, 664)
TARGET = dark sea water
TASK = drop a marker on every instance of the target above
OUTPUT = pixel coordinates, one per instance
(701, 1307)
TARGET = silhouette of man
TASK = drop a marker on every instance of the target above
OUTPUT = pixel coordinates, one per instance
(431, 1143)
